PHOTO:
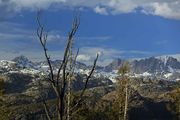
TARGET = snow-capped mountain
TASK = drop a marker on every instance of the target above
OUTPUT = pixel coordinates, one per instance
(151, 65)
(156, 65)
(164, 67)
(23, 62)
(163, 57)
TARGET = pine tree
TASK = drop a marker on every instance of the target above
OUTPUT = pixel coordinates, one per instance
(1, 86)
(122, 91)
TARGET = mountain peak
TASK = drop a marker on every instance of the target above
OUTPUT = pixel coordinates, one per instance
(114, 64)
(23, 61)
(20, 58)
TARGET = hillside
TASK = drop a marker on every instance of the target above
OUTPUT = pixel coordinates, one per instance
(150, 92)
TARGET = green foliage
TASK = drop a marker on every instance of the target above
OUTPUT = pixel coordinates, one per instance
(102, 111)
(173, 104)
(34, 111)
(175, 99)
(122, 84)
(2, 85)
(124, 69)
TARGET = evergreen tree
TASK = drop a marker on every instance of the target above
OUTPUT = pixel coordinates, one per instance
(1, 86)
(121, 102)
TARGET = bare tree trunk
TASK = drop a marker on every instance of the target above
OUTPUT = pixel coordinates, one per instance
(119, 111)
(46, 110)
(69, 99)
(126, 102)
(179, 107)
(69, 82)
(58, 109)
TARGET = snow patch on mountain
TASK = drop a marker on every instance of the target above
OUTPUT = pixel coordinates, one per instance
(29, 71)
(168, 75)
(145, 74)
(165, 57)
(7, 64)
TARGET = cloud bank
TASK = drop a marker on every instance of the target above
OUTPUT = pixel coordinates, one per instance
(165, 8)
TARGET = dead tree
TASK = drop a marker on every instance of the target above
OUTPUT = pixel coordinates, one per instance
(122, 90)
(62, 80)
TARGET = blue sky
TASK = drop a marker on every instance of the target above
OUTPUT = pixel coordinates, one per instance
(115, 28)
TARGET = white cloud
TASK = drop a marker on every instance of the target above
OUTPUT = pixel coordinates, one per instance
(83, 57)
(34, 3)
(122, 6)
(107, 55)
(164, 8)
(100, 10)
(88, 54)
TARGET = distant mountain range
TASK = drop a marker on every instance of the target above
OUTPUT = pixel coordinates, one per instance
(165, 67)
(151, 65)
(24, 77)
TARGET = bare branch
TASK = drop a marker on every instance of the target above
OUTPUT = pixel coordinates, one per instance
(74, 61)
(46, 110)
(75, 26)
(43, 38)
(85, 86)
